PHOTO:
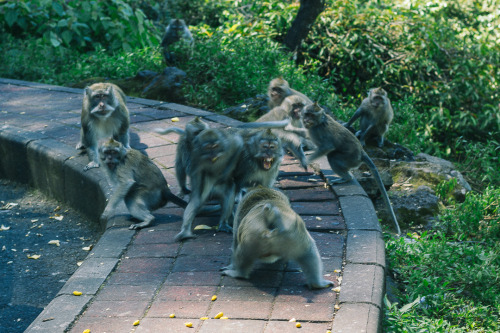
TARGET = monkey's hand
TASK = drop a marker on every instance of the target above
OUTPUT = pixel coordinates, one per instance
(91, 165)
(80, 146)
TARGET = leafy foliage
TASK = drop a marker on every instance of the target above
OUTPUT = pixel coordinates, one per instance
(452, 273)
(84, 25)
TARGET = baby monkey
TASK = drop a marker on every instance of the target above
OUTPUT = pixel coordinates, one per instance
(267, 229)
(375, 113)
(136, 180)
(343, 150)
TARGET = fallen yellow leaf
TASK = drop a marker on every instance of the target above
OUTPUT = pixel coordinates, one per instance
(214, 298)
(4, 228)
(318, 218)
(203, 318)
(57, 217)
(298, 325)
(337, 289)
(293, 320)
(34, 256)
(203, 227)
(223, 318)
(86, 331)
(219, 315)
(137, 322)
(189, 324)
(175, 119)
(77, 293)
(172, 315)
(87, 248)
(55, 242)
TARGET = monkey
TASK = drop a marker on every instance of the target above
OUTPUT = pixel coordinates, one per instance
(184, 149)
(260, 160)
(375, 113)
(175, 30)
(136, 180)
(214, 157)
(279, 89)
(342, 149)
(185, 145)
(104, 114)
(267, 229)
(293, 135)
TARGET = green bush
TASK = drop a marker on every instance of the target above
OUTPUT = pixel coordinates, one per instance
(84, 25)
(225, 71)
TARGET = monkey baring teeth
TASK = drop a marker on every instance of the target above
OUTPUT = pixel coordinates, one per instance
(267, 163)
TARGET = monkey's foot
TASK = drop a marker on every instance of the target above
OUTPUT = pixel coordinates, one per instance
(225, 227)
(340, 180)
(184, 235)
(91, 165)
(320, 285)
(141, 225)
(234, 273)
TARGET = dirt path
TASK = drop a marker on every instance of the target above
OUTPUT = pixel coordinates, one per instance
(28, 222)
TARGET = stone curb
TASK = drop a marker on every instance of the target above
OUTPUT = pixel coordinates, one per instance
(28, 157)
(363, 287)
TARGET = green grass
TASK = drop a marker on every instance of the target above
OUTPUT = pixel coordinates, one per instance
(449, 278)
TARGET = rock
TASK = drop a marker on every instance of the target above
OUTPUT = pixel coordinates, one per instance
(416, 208)
(412, 180)
(166, 86)
(249, 110)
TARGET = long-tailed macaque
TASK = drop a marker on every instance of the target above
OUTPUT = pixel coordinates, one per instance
(267, 229)
(293, 135)
(342, 149)
(279, 89)
(260, 160)
(136, 180)
(375, 113)
(104, 114)
(175, 30)
(213, 160)
(184, 149)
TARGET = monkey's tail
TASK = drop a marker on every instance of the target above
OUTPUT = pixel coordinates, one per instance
(266, 124)
(380, 184)
(179, 131)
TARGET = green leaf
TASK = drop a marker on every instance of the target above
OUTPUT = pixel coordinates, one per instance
(54, 39)
(407, 307)
(11, 17)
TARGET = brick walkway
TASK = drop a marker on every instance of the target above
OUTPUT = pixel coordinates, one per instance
(145, 275)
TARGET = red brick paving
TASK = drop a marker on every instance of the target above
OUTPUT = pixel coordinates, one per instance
(158, 277)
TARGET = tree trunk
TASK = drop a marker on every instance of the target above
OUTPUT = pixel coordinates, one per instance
(308, 12)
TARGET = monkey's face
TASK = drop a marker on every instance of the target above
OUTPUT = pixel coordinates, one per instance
(312, 116)
(210, 151)
(277, 94)
(377, 101)
(268, 152)
(296, 111)
(110, 156)
(102, 103)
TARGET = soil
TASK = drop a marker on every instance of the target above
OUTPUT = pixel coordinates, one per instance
(28, 222)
